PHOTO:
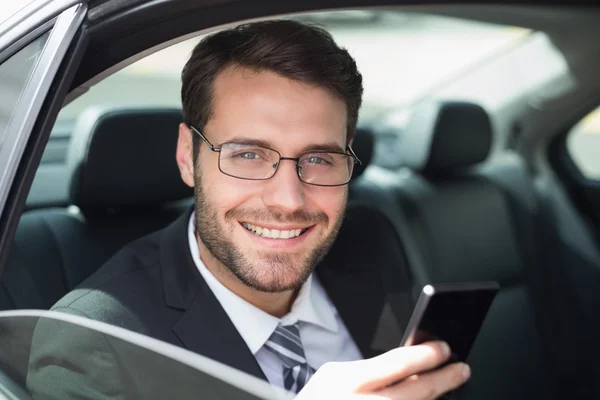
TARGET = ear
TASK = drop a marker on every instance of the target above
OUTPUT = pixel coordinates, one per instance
(184, 155)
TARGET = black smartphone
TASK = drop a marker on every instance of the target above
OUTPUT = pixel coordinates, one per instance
(452, 312)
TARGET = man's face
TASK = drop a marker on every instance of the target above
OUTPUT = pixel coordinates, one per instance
(289, 117)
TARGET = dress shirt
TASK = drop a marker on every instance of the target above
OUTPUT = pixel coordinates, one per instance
(324, 336)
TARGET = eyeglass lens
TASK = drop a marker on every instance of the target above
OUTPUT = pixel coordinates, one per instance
(258, 163)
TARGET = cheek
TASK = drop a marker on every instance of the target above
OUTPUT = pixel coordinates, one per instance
(222, 191)
(332, 201)
(228, 193)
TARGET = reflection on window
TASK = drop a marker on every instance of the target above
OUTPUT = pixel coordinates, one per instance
(583, 144)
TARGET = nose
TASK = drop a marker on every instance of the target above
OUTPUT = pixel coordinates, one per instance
(284, 192)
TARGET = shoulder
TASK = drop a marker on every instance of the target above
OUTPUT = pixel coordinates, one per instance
(107, 295)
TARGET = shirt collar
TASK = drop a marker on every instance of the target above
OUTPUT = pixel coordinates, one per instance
(313, 306)
(256, 326)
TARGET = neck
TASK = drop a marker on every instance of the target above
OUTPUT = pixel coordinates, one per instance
(276, 304)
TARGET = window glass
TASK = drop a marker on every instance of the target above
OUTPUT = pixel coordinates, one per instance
(14, 74)
(583, 144)
(74, 358)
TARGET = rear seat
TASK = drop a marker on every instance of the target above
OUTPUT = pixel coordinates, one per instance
(462, 222)
(466, 229)
(122, 190)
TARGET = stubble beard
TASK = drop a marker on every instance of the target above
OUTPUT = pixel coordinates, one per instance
(268, 272)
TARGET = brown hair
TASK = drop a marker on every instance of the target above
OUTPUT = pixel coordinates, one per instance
(291, 49)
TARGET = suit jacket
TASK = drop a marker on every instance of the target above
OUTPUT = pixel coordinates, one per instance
(153, 287)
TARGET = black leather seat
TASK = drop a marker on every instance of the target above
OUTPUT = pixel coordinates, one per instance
(466, 227)
(125, 184)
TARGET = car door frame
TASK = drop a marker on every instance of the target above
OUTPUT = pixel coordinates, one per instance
(52, 74)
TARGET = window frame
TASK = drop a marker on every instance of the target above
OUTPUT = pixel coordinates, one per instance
(560, 157)
(32, 97)
(28, 131)
(573, 163)
(582, 191)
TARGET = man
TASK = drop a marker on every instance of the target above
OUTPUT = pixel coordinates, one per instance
(270, 111)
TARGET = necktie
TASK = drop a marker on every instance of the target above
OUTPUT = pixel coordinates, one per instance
(285, 343)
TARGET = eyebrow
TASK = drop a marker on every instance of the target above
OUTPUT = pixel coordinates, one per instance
(329, 147)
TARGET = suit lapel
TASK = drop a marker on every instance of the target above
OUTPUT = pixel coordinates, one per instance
(368, 281)
(206, 329)
(204, 326)
(357, 301)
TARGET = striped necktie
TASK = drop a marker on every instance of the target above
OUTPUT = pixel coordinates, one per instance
(285, 343)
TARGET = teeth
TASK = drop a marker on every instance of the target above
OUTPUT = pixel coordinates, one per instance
(273, 233)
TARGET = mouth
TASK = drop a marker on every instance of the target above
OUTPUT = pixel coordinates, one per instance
(274, 233)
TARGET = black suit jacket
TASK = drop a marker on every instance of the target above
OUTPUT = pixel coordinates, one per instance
(153, 287)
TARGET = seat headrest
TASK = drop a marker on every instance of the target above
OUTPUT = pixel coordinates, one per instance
(443, 136)
(123, 157)
(363, 145)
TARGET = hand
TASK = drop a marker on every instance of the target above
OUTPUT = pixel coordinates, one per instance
(402, 373)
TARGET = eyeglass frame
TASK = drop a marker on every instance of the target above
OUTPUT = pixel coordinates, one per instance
(217, 149)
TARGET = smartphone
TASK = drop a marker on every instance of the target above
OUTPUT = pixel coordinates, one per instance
(452, 312)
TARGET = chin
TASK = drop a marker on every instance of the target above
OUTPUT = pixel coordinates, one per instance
(274, 278)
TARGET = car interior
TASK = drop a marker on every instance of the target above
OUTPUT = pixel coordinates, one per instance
(465, 188)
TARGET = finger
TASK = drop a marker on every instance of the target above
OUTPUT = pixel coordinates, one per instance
(384, 370)
(429, 385)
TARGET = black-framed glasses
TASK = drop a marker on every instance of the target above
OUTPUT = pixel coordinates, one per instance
(253, 162)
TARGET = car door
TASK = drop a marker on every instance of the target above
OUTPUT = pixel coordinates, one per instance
(169, 371)
(34, 44)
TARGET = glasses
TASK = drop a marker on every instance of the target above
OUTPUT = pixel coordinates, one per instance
(253, 162)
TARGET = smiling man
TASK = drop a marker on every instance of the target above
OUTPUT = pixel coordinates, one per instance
(270, 194)
(270, 110)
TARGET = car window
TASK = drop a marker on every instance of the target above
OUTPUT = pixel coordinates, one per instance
(98, 359)
(403, 57)
(427, 50)
(583, 144)
(14, 75)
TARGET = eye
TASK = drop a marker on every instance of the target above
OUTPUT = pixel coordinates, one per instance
(254, 154)
(316, 160)
(248, 155)
(321, 160)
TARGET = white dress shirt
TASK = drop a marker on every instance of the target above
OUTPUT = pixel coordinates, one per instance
(323, 333)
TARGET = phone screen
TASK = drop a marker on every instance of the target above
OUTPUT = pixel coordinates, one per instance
(454, 316)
